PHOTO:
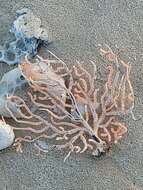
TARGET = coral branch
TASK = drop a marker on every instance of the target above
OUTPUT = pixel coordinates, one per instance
(79, 116)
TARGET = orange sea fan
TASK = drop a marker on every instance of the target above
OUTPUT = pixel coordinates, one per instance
(70, 109)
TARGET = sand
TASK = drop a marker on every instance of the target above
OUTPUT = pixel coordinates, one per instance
(76, 28)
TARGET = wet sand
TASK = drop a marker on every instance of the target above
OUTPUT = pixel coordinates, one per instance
(76, 28)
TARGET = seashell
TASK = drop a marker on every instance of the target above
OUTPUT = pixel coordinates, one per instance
(6, 135)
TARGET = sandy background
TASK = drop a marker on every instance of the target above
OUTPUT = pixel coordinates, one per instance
(76, 28)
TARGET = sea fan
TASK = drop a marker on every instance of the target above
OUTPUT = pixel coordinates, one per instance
(69, 109)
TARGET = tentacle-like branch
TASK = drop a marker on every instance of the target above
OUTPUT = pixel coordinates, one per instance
(79, 116)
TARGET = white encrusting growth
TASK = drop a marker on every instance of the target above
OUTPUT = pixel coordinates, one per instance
(29, 36)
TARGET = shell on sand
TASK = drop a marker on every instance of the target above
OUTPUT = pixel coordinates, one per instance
(6, 135)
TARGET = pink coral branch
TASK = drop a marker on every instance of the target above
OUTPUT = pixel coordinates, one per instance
(81, 117)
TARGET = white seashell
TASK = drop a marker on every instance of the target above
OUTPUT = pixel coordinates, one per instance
(6, 135)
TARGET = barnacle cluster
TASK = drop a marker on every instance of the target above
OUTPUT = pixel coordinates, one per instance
(29, 35)
(68, 108)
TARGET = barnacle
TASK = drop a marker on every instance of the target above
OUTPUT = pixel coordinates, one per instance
(71, 110)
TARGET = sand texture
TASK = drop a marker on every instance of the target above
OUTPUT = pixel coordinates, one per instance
(76, 28)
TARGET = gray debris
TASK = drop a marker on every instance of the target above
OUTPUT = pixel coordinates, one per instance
(29, 34)
(8, 85)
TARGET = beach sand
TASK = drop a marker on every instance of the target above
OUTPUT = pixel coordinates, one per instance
(76, 28)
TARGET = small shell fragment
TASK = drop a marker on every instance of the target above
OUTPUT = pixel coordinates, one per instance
(6, 135)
